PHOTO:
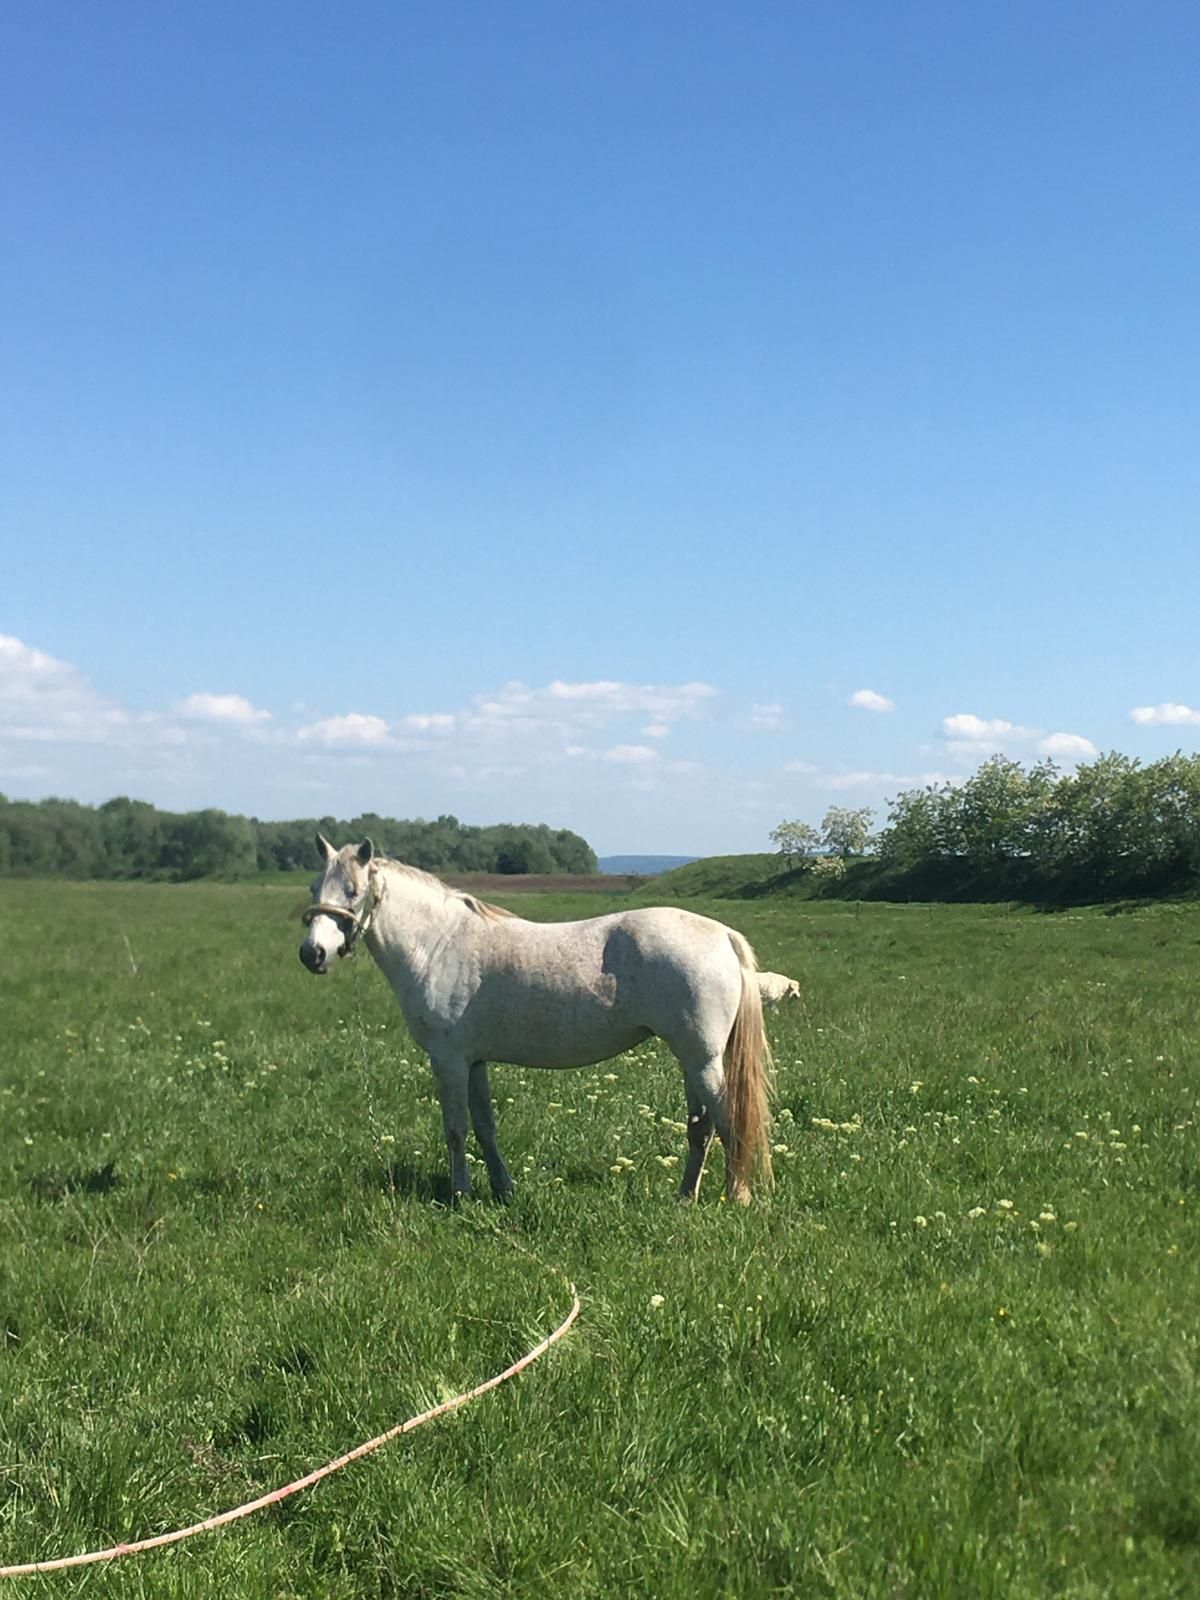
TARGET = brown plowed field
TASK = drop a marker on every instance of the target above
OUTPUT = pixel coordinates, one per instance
(542, 882)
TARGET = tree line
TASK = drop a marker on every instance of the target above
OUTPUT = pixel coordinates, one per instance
(132, 839)
(1111, 828)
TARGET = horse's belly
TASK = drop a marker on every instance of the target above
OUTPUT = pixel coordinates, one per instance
(552, 1031)
(532, 1052)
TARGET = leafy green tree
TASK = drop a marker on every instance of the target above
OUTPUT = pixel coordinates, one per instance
(797, 842)
(1103, 821)
(845, 832)
(520, 850)
(996, 816)
(126, 838)
(209, 844)
(131, 831)
(572, 853)
(915, 827)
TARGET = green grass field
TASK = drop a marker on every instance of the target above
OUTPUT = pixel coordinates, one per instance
(954, 1354)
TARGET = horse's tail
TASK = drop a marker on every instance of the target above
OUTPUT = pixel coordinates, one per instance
(748, 1080)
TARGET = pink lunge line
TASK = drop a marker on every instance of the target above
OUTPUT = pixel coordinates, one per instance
(275, 1495)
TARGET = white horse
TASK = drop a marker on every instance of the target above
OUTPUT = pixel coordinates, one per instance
(477, 984)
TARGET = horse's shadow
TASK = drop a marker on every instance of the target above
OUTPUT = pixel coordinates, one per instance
(411, 1182)
(56, 1184)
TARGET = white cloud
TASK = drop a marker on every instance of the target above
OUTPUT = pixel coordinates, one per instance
(604, 690)
(43, 699)
(519, 719)
(852, 780)
(766, 717)
(631, 754)
(1070, 746)
(664, 702)
(1166, 715)
(355, 729)
(965, 725)
(22, 664)
(868, 700)
(969, 736)
(221, 708)
(565, 705)
(822, 778)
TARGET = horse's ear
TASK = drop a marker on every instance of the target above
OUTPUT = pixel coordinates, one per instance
(365, 851)
(326, 849)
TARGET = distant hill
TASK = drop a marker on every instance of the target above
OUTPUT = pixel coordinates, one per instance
(721, 877)
(643, 866)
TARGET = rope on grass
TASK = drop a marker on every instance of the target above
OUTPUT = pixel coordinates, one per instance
(27, 1568)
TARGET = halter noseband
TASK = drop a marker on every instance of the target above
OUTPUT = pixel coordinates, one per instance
(356, 921)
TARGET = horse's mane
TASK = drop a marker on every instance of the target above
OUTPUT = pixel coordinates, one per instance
(481, 908)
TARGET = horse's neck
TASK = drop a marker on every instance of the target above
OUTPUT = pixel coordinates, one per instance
(410, 927)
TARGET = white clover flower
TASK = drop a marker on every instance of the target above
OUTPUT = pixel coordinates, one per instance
(657, 1300)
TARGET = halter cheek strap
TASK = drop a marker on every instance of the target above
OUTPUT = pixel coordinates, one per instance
(359, 918)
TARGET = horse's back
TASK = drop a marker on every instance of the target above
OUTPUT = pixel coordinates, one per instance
(589, 989)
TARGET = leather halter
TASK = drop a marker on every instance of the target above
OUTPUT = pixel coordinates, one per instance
(355, 921)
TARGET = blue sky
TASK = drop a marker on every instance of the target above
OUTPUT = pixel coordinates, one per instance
(562, 412)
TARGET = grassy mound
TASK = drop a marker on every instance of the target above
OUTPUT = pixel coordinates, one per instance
(727, 878)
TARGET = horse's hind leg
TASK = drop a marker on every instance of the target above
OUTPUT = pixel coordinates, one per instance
(483, 1120)
(699, 1137)
(704, 1083)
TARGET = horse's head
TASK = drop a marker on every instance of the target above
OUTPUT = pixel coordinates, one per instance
(342, 904)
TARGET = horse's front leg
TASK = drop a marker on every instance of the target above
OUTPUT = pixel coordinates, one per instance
(483, 1120)
(451, 1077)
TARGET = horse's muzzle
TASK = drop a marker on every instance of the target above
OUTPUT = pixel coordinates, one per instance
(315, 960)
